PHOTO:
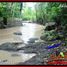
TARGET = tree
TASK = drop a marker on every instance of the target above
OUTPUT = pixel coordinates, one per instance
(28, 13)
(49, 11)
(10, 10)
(5, 11)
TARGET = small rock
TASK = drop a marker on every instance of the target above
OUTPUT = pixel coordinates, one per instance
(8, 47)
(14, 55)
(33, 39)
(4, 60)
(18, 33)
(42, 37)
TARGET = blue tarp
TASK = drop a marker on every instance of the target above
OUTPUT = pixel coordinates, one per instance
(54, 46)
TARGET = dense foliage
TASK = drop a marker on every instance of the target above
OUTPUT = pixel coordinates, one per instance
(8, 10)
(46, 11)
(28, 14)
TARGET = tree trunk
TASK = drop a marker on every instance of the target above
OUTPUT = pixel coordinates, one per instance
(58, 23)
(5, 20)
(21, 6)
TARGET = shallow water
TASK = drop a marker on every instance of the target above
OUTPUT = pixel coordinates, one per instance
(19, 57)
(31, 30)
(28, 30)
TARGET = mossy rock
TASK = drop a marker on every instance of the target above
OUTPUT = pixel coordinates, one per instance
(48, 28)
